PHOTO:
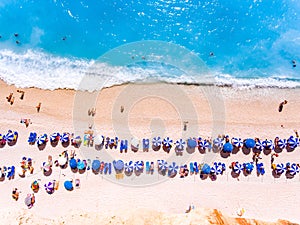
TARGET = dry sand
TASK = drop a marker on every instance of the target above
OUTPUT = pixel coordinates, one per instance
(150, 110)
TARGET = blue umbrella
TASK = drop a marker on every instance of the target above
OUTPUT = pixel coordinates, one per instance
(128, 167)
(68, 185)
(64, 137)
(180, 144)
(293, 142)
(280, 168)
(282, 143)
(73, 163)
(156, 141)
(294, 169)
(167, 142)
(205, 169)
(54, 136)
(218, 142)
(192, 143)
(249, 167)
(227, 147)
(204, 144)
(119, 165)
(138, 165)
(259, 146)
(96, 164)
(250, 143)
(162, 165)
(268, 144)
(216, 168)
(237, 142)
(9, 137)
(80, 165)
(41, 139)
(173, 168)
(238, 168)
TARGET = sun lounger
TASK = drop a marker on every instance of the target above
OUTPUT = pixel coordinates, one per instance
(123, 146)
(147, 167)
(191, 168)
(107, 168)
(145, 145)
(196, 168)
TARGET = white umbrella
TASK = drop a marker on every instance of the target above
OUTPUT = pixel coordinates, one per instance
(62, 160)
(135, 142)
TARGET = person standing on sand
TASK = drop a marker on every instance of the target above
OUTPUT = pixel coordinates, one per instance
(280, 108)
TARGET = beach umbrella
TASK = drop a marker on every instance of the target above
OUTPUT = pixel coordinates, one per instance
(250, 143)
(73, 163)
(280, 168)
(119, 165)
(62, 160)
(80, 165)
(227, 147)
(138, 165)
(180, 144)
(128, 167)
(237, 142)
(293, 142)
(46, 166)
(68, 185)
(191, 142)
(162, 165)
(204, 144)
(49, 187)
(35, 185)
(156, 141)
(205, 169)
(238, 168)
(249, 167)
(216, 168)
(28, 200)
(218, 142)
(41, 139)
(55, 136)
(259, 146)
(282, 143)
(9, 137)
(135, 142)
(173, 168)
(96, 164)
(167, 142)
(268, 144)
(99, 139)
(64, 137)
(294, 169)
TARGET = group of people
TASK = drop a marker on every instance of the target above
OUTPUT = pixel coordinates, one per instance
(26, 165)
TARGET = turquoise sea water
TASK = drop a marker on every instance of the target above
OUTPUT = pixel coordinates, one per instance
(253, 42)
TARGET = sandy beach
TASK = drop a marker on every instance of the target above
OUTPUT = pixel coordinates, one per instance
(151, 110)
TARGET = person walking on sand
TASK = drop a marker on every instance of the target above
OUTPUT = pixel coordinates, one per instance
(38, 107)
(280, 108)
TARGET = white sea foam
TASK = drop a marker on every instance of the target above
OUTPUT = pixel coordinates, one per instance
(45, 71)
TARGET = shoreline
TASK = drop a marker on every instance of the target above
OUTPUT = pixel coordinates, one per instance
(159, 110)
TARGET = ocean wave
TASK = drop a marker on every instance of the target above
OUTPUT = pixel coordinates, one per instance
(46, 71)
